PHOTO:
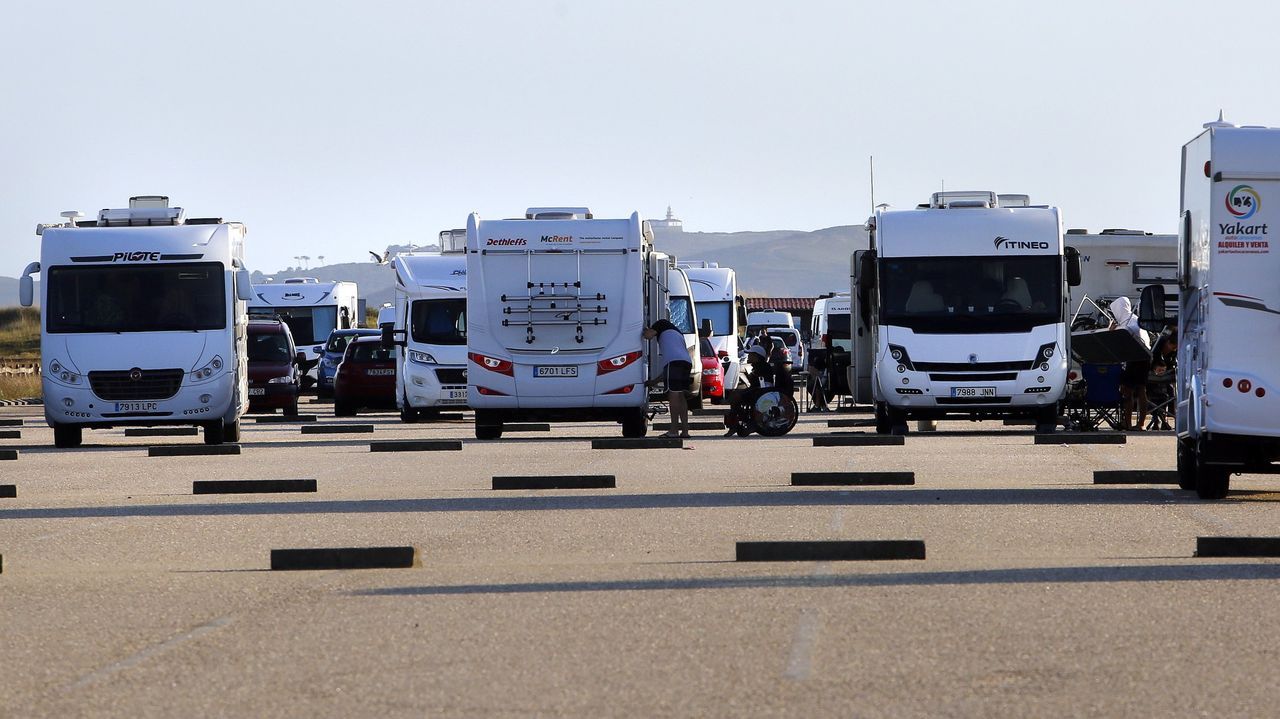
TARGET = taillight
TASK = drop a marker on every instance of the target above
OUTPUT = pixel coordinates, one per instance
(490, 392)
(493, 364)
(625, 389)
(826, 340)
(722, 354)
(613, 364)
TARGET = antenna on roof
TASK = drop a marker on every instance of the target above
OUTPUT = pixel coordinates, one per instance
(872, 159)
(1218, 123)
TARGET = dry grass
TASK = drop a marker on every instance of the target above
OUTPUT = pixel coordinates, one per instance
(19, 386)
(20, 333)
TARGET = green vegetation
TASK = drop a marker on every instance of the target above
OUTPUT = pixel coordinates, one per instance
(20, 334)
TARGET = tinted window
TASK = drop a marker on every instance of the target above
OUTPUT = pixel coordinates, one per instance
(439, 322)
(273, 347)
(970, 294)
(137, 298)
(370, 352)
(705, 348)
(338, 343)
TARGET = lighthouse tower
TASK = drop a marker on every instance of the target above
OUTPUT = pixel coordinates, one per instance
(670, 224)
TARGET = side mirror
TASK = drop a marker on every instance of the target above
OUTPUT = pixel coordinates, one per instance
(867, 270)
(1073, 266)
(1151, 315)
(707, 329)
(1184, 251)
(388, 335)
(26, 291)
(318, 349)
(244, 285)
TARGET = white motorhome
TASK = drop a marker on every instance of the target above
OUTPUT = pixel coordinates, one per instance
(762, 319)
(682, 313)
(556, 303)
(715, 298)
(142, 321)
(1228, 379)
(311, 308)
(430, 327)
(963, 306)
(1120, 263)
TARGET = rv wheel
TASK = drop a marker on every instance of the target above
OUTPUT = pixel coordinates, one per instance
(882, 419)
(635, 425)
(408, 414)
(213, 432)
(66, 436)
(1186, 465)
(231, 431)
(488, 425)
(1211, 482)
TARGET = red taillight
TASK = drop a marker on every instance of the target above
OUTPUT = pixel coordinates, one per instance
(490, 392)
(613, 364)
(493, 364)
(1072, 375)
(826, 340)
(625, 389)
(722, 354)
(1260, 392)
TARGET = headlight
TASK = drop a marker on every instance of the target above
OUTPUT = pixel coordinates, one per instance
(899, 355)
(421, 357)
(63, 373)
(280, 380)
(207, 371)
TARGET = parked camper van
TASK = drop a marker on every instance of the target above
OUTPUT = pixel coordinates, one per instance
(430, 327)
(715, 298)
(142, 321)
(682, 313)
(312, 309)
(1120, 263)
(963, 306)
(762, 319)
(830, 342)
(1228, 379)
(555, 307)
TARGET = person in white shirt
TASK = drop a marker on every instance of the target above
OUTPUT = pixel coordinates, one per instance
(677, 371)
(1133, 380)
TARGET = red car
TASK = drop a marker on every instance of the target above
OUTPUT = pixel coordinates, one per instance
(365, 378)
(712, 372)
(273, 367)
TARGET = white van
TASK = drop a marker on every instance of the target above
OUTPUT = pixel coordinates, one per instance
(715, 298)
(430, 326)
(682, 313)
(556, 303)
(762, 319)
(142, 321)
(964, 303)
(830, 342)
(1228, 379)
(312, 309)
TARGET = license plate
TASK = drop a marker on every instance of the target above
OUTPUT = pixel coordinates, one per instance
(973, 391)
(556, 371)
(257, 391)
(136, 406)
(380, 372)
(457, 394)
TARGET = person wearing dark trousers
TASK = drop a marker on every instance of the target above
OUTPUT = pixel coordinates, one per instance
(677, 371)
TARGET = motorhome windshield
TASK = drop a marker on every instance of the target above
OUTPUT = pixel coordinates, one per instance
(440, 322)
(681, 311)
(137, 298)
(720, 314)
(309, 325)
(970, 295)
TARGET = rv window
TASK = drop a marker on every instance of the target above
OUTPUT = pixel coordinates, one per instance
(720, 314)
(681, 311)
(371, 352)
(137, 298)
(970, 295)
(440, 322)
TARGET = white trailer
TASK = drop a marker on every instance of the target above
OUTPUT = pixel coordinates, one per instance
(556, 303)
(1121, 263)
(142, 321)
(963, 303)
(430, 328)
(311, 308)
(716, 298)
(1228, 379)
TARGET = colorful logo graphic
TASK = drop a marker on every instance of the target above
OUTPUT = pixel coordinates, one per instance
(1242, 202)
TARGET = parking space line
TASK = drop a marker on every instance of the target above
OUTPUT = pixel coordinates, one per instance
(154, 650)
(800, 662)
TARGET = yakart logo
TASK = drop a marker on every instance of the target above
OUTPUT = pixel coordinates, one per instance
(1242, 202)
(505, 241)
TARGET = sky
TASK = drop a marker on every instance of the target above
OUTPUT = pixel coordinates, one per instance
(332, 128)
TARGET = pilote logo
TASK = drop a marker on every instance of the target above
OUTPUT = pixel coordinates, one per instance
(1243, 202)
(136, 257)
(505, 241)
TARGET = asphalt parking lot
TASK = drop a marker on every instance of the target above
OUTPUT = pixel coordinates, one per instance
(124, 594)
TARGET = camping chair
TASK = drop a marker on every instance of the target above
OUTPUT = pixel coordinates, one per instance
(1160, 400)
(1100, 403)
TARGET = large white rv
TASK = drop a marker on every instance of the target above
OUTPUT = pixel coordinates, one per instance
(431, 328)
(715, 298)
(1120, 263)
(1228, 379)
(963, 303)
(556, 303)
(311, 308)
(142, 321)
(684, 315)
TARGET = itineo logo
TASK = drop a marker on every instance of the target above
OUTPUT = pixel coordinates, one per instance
(1243, 201)
(1004, 243)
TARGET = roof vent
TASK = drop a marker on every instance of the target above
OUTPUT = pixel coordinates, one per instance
(963, 198)
(1014, 200)
(1077, 231)
(1119, 231)
(453, 241)
(301, 281)
(558, 213)
(141, 216)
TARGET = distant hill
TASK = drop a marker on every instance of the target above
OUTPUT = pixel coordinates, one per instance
(775, 263)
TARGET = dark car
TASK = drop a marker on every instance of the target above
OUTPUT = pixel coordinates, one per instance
(365, 378)
(273, 368)
(331, 356)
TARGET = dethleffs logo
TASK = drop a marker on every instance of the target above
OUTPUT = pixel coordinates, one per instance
(1004, 243)
(505, 241)
(136, 257)
(557, 238)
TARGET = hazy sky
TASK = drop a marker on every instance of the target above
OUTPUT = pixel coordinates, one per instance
(331, 128)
